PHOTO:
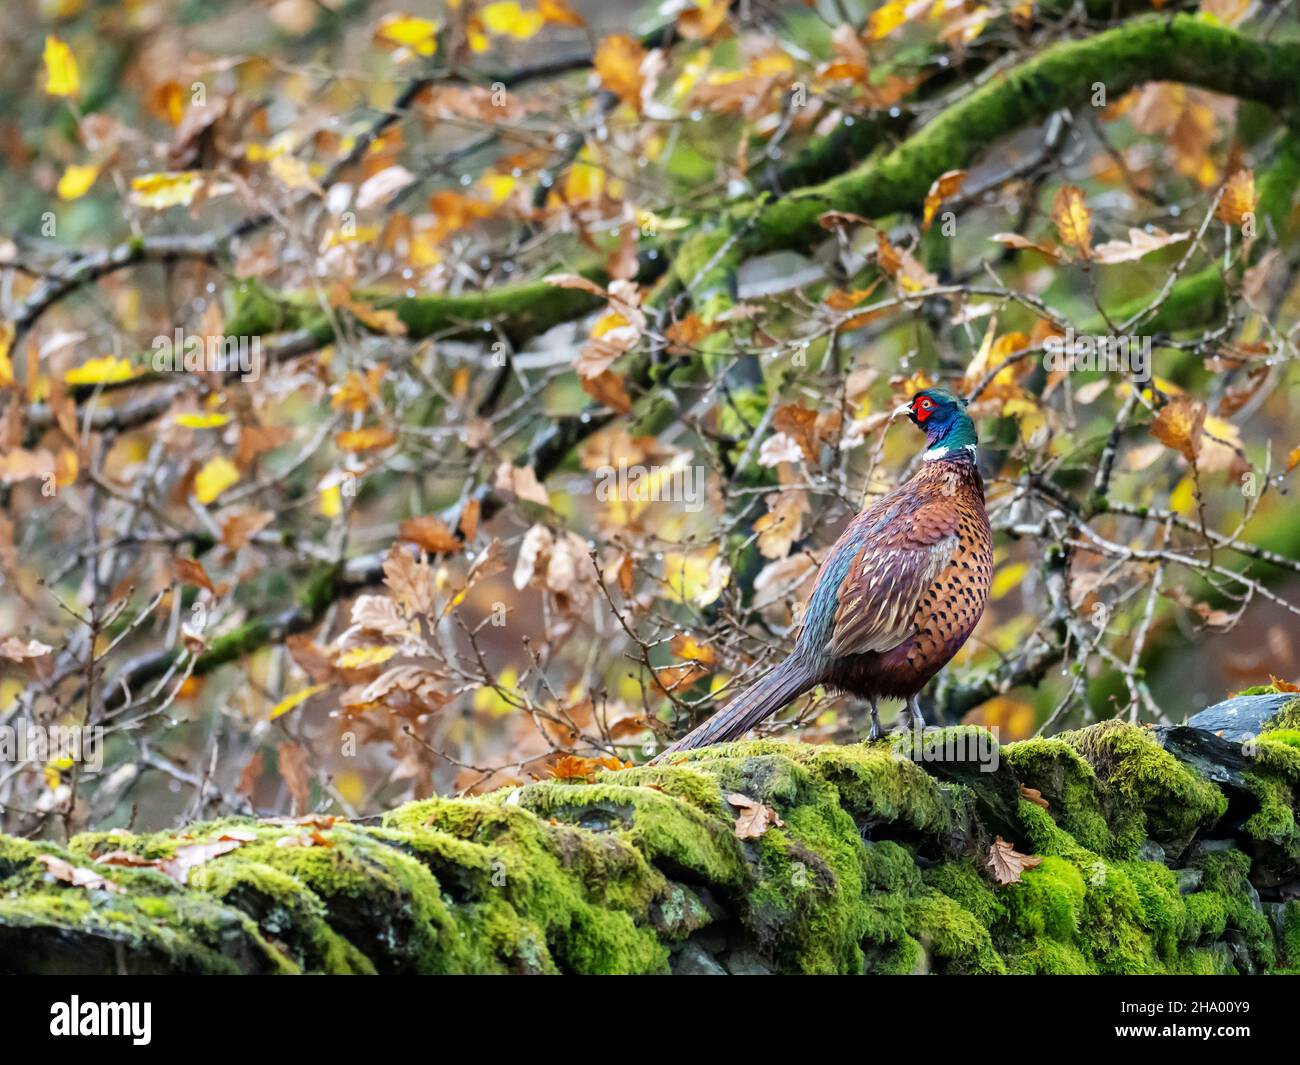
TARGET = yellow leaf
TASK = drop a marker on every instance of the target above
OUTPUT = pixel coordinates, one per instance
(697, 577)
(61, 77)
(945, 185)
(103, 371)
(217, 475)
(506, 18)
(6, 363)
(1007, 579)
(360, 657)
(1073, 219)
(192, 420)
(331, 501)
(559, 12)
(161, 191)
(498, 187)
(1182, 500)
(1179, 425)
(618, 62)
(1238, 201)
(488, 699)
(886, 19)
(420, 35)
(294, 172)
(76, 181)
(365, 439)
(296, 699)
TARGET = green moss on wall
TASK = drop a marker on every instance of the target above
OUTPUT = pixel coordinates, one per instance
(877, 863)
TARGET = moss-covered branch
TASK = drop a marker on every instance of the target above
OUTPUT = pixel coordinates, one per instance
(878, 863)
(1182, 49)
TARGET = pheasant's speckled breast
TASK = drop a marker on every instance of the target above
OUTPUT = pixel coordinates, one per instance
(908, 583)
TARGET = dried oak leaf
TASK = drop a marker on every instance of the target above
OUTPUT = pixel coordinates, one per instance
(190, 571)
(755, 818)
(430, 533)
(1006, 863)
(411, 581)
(178, 866)
(74, 874)
(1179, 425)
(1035, 796)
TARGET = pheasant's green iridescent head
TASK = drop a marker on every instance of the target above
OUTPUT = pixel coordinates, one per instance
(949, 431)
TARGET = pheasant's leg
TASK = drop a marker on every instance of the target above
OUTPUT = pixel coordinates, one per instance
(876, 731)
(915, 719)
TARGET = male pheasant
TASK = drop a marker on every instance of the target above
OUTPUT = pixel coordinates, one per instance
(900, 592)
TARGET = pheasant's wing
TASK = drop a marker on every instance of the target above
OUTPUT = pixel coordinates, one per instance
(902, 553)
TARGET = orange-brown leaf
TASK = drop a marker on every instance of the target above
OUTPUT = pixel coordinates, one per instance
(1006, 863)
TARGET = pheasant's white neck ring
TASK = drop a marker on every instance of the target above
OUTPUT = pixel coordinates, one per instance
(943, 452)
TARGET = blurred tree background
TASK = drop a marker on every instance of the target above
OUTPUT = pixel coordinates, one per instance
(571, 336)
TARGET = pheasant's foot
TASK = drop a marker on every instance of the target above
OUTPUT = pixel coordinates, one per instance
(876, 732)
(912, 719)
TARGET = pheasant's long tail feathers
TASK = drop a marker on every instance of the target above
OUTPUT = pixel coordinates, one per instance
(760, 700)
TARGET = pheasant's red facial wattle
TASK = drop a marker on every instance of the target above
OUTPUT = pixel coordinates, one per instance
(922, 408)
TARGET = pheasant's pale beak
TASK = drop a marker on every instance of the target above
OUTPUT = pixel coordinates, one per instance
(903, 410)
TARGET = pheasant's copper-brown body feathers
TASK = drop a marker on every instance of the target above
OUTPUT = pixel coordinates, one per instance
(917, 584)
(901, 591)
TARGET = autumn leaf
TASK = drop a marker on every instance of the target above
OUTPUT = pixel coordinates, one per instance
(215, 477)
(296, 774)
(684, 336)
(417, 36)
(1015, 240)
(1140, 243)
(380, 188)
(609, 389)
(76, 181)
(77, 876)
(521, 481)
(945, 186)
(1006, 863)
(702, 19)
(430, 533)
(1238, 200)
(197, 420)
(1035, 796)
(560, 13)
(192, 855)
(1283, 685)
(754, 819)
(695, 576)
(505, 18)
(61, 78)
(618, 61)
(238, 529)
(686, 646)
(369, 439)
(799, 423)
(102, 371)
(191, 571)
(782, 525)
(21, 465)
(410, 580)
(576, 767)
(290, 702)
(885, 19)
(1179, 425)
(17, 650)
(161, 191)
(1073, 219)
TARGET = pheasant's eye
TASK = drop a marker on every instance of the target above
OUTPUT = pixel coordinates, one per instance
(926, 404)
